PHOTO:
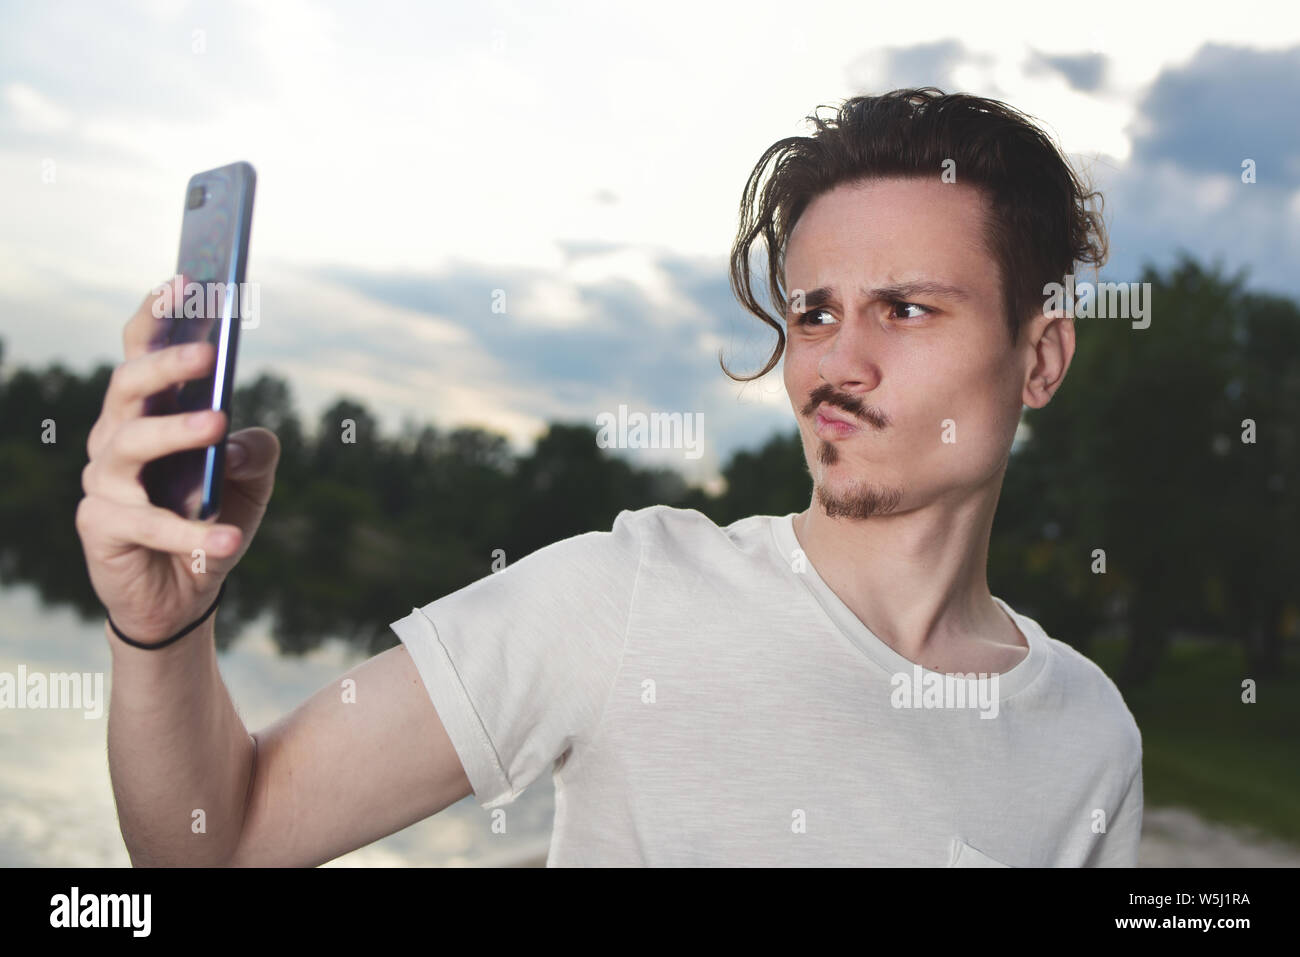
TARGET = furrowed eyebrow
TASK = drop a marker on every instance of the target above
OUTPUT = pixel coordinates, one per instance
(814, 299)
(904, 291)
(922, 287)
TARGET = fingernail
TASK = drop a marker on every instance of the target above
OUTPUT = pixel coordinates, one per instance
(197, 420)
(236, 455)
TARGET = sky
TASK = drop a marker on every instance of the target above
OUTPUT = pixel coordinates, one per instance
(586, 159)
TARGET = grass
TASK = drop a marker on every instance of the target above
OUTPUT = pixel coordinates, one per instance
(1204, 749)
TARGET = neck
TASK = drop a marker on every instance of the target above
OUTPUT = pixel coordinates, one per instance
(917, 578)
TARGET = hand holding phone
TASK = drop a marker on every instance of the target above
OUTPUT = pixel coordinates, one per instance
(213, 299)
(140, 555)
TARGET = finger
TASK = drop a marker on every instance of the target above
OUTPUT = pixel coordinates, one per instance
(135, 380)
(252, 454)
(152, 436)
(144, 330)
(249, 483)
(116, 528)
(112, 487)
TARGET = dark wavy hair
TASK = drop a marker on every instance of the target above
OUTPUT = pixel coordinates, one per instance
(1043, 218)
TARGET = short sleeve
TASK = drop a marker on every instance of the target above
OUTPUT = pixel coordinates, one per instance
(520, 664)
(1118, 847)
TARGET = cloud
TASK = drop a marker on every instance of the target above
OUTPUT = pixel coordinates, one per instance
(1228, 104)
(646, 332)
(922, 64)
(32, 111)
(1084, 72)
(1181, 188)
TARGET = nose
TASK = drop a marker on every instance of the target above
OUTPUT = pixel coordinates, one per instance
(851, 361)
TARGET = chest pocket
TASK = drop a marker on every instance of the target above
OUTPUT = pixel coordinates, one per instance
(961, 854)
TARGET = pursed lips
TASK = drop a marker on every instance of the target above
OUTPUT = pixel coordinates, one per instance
(829, 416)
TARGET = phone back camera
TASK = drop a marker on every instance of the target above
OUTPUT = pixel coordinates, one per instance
(196, 197)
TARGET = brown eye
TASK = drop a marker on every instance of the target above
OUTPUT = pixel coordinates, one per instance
(803, 319)
(895, 306)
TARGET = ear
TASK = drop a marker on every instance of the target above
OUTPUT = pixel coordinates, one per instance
(1048, 345)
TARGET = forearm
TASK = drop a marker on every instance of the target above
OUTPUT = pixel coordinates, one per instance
(179, 756)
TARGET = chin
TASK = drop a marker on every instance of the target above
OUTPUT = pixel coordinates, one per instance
(845, 495)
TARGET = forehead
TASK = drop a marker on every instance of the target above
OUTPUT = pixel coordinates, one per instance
(893, 230)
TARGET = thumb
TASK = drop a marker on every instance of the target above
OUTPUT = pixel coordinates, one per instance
(251, 459)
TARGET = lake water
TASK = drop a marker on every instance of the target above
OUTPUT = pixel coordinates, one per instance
(56, 800)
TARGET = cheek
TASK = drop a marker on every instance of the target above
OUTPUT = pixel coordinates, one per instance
(799, 372)
(960, 411)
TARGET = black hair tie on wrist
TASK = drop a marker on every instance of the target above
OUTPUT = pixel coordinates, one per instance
(180, 634)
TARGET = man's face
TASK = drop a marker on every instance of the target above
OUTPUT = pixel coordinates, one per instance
(928, 375)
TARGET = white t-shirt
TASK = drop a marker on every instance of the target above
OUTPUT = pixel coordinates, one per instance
(703, 698)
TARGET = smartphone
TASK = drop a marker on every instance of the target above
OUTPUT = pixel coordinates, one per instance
(213, 257)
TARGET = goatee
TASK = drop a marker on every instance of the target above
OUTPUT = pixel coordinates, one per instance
(862, 501)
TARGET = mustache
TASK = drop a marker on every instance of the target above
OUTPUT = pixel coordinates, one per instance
(845, 403)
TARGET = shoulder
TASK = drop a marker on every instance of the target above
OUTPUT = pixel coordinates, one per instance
(658, 534)
(688, 531)
(1081, 685)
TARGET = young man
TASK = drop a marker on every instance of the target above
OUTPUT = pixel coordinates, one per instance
(772, 692)
(836, 687)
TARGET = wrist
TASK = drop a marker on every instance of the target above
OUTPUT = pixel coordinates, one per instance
(202, 632)
(149, 640)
